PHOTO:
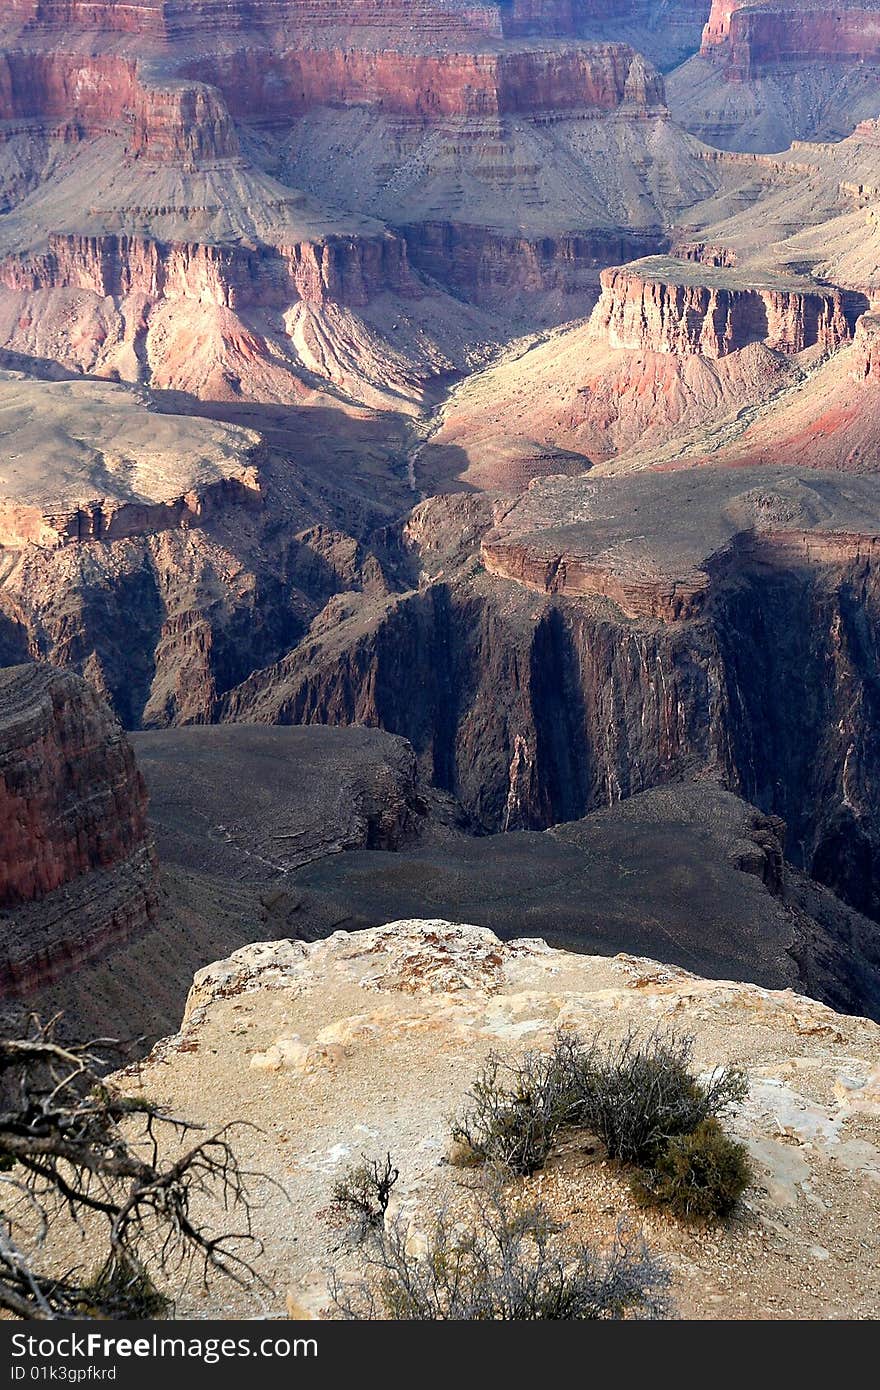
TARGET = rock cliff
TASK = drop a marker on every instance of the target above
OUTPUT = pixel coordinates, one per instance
(662, 305)
(751, 40)
(541, 700)
(431, 86)
(768, 73)
(76, 870)
(866, 349)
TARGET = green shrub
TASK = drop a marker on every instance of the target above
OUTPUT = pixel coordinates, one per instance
(696, 1176)
(516, 1108)
(635, 1094)
(639, 1093)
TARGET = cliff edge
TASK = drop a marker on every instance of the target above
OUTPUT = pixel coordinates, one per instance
(366, 1042)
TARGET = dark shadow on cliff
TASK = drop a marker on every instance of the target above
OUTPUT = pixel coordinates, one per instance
(801, 655)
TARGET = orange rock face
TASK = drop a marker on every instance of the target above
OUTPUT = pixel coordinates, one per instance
(71, 797)
(184, 123)
(278, 60)
(77, 866)
(651, 305)
(432, 85)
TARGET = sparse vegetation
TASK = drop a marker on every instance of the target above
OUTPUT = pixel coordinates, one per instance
(696, 1176)
(640, 1096)
(505, 1262)
(73, 1147)
(639, 1093)
(516, 1109)
(122, 1288)
(362, 1194)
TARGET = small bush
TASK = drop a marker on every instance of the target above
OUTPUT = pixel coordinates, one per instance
(362, 1194)
(635, 1095)
(517, 1108)
(509, 1264)
(639, 1093)
(696, 1176)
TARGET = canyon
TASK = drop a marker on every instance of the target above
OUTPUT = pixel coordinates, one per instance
(768, 73)
(445, 437)
(440, 580)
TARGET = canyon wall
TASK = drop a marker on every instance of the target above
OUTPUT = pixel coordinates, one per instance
(431, 86)
(654, 307)
(535, 703)
(178, 19)
(73, 827)
(485, 264)
(349, 270)
(82, 96)
(754, 40)
(96, 91)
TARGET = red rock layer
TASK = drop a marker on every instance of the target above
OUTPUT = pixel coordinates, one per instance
(347, 270)
(638, 311)
(186, 124)
(754, 41)
(96, 92)
(103, 16)
(280, 85)
(866, 349)
(71, 797)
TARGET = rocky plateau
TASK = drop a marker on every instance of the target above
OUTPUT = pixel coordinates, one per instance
(367, 1041)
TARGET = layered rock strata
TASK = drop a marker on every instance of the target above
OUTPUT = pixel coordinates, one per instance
(76, 869)
(682, 307)
(769, 73)
(752, 40)
(427, 86)
(345, 269)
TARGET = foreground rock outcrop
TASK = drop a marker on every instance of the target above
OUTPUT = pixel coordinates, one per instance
(76, 869)
(367, 1042)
